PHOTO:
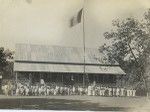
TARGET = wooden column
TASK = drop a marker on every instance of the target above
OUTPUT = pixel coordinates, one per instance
(50, 77)
(78, 78)
(94, 77)
(83, 79)
(62, 78)
(40, 76)
(87, 79)
(16, 77)
(103, 78)
(30, 78)
(121, 80)
(56, 78)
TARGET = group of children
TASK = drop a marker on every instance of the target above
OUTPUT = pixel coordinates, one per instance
(110, 91)
(91, 90)
(42, 89)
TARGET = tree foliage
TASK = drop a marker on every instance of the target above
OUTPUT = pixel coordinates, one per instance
(130, 45)
(6, 63)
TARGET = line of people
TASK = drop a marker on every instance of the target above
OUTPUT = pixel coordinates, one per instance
(91, 90)
(110, 91)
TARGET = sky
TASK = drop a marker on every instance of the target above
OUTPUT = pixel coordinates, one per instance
(47, 22)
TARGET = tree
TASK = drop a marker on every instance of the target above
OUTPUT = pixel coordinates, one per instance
(130, 46)
(6, 63)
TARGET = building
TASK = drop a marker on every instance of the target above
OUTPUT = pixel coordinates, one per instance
(64, 65)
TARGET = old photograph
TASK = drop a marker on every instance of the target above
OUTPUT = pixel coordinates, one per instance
(75, 55)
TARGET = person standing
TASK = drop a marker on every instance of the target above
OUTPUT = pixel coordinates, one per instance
(17, 91)
(93, 88)
(103, 91)
(61, 90)
(22, 91)
(40, 91)
(114, 91)
(109, 91)
(128, 92)
(117, 91)
(47, 91)
(122, 92)
(42, 82)
(26, 91)
(73, 90)
(89, 90)
(36, 90)
(6, 89)
(133, 92)
(57, 89)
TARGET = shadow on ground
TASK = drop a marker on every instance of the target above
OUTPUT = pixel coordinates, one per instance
(54, 104)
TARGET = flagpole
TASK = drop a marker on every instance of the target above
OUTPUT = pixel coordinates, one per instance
(75, 20)
(83, 29)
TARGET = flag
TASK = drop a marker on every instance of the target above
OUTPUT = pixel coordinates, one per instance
(76, 19)
(29, 1)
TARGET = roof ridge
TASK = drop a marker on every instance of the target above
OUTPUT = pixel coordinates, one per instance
(54, 45)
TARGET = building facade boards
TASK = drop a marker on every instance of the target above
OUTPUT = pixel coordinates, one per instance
(64, 65)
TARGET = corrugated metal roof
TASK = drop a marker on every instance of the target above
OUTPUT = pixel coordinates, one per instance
(63, 68)
(104, 70)
(32, 67)
(28, 52)
(41, 58)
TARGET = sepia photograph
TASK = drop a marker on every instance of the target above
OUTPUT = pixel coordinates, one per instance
(75, 55)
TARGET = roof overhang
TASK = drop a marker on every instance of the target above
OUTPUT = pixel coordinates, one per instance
(67, 68)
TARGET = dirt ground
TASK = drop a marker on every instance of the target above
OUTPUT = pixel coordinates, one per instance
(94, 103)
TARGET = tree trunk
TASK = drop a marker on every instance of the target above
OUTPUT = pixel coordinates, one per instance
(147, 76)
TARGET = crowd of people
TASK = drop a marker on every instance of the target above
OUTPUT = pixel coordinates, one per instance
(43, 89)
